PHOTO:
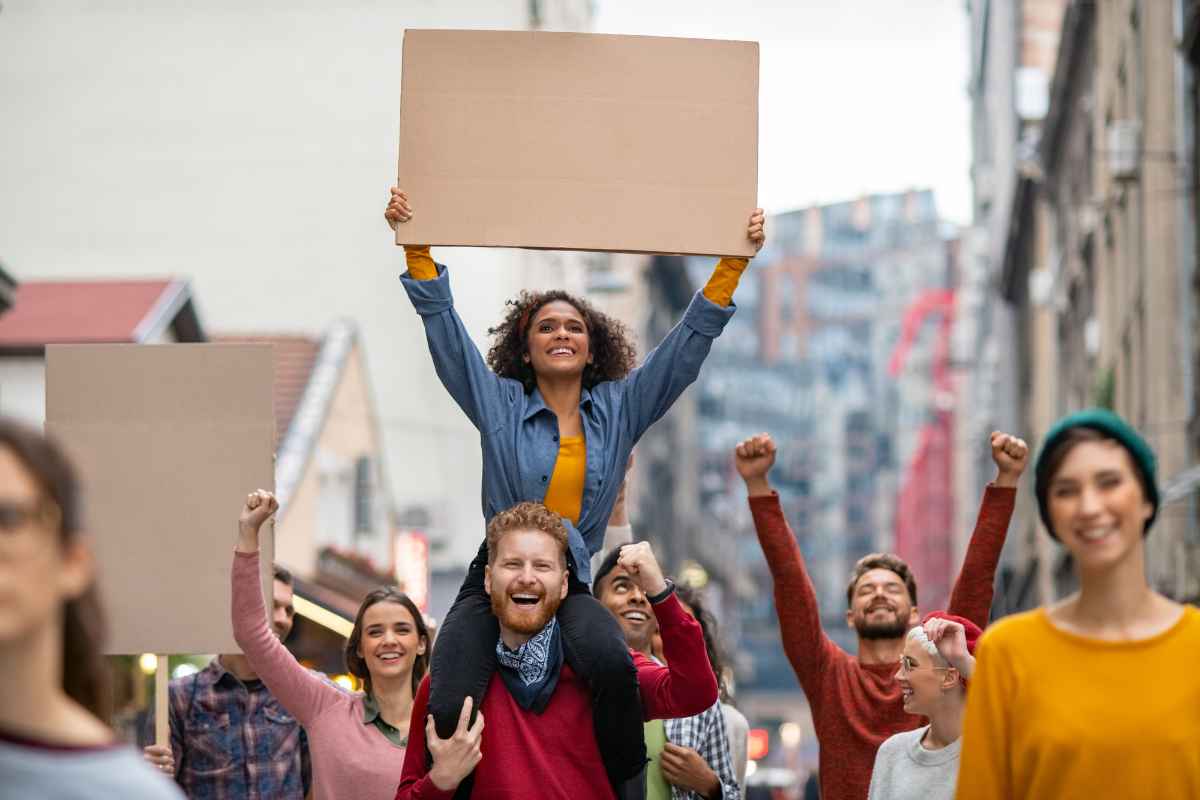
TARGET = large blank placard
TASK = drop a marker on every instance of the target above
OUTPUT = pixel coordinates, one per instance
(170, 439)
(579, 141)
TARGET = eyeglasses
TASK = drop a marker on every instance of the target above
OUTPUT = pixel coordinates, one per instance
(15, 516)
(908, 666)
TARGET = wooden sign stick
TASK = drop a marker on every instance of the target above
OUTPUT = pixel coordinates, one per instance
(162, 727)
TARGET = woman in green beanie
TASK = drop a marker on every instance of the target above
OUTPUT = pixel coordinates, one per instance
(1097, 695)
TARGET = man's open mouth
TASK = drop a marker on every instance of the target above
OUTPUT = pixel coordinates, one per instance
(526, 599)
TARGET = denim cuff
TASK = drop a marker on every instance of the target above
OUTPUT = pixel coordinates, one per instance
(429, 297)
(706, 317)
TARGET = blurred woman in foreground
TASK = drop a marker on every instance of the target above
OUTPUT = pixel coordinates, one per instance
(54, 740)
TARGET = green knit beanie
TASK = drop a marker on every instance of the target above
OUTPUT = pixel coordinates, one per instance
(1110, 424)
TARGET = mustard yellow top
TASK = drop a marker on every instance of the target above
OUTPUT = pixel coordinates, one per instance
(1055, 715)
(564, 495)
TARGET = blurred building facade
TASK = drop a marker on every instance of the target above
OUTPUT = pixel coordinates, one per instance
(248, 148)
(818, 354)
(1012, 49)
(1097, 266)
(336, 529)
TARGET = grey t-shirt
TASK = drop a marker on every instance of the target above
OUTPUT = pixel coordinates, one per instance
(29, 769)
(904, 770)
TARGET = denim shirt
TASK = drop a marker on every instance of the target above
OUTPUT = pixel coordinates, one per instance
(519, 434)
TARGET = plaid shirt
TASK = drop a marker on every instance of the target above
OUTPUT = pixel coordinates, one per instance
(235, 743)
(705, 733)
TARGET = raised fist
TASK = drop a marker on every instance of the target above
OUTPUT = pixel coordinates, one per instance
(754, 457)
(1011, 455)
(260, 505)
(638, 560)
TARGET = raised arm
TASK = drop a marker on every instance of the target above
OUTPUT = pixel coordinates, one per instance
(971, 596)
(302, 693)
(671, 367)
(687, 685)
(724, 280)
(399, 210)
(619, 532)
(478, 391)
(807, 647)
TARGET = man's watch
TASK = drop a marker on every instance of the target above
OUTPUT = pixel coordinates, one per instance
(655, 599)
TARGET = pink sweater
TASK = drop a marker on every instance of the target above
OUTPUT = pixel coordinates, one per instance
(350, 759)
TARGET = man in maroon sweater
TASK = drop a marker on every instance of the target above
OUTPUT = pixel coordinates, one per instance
(538, 738)
(855, 701)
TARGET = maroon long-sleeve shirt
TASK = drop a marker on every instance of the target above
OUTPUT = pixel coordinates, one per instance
(856, 706)
(554, 754)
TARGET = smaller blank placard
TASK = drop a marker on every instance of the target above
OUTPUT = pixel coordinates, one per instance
(576, 141)
(169, 440)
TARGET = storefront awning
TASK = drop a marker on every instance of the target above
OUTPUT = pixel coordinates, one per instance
(324, 607)
(323, 616)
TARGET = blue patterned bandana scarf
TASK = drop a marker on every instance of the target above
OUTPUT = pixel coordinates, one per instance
(531, 671)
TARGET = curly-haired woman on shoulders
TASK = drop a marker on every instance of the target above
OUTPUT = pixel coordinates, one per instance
(559, 405)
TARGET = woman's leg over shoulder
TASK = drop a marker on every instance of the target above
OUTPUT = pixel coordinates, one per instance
(464, 656)
(594, 646)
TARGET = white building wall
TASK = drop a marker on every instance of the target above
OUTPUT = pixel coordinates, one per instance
(249, 147)
(23, 388)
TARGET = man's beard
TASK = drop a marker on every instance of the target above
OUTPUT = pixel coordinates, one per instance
(511, 615)
(880, 630)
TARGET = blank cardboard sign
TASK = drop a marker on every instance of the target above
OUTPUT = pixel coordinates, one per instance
(169, 439)
(576, 141)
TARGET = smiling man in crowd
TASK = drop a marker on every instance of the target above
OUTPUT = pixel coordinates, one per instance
(689, 756)
(856, 701)
(533, 736)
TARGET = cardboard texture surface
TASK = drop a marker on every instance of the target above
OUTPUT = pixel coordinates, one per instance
(169, 439)
(579, 141)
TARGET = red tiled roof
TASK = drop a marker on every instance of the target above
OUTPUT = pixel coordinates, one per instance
(294, 360)
(62, 312)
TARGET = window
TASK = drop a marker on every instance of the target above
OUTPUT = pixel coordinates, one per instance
(362, 496)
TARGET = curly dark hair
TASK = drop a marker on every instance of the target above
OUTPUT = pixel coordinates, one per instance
(613, 354)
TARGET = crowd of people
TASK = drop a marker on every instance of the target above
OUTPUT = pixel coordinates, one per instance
(571, 665)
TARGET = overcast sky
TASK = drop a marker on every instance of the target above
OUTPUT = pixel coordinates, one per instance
(855, 96)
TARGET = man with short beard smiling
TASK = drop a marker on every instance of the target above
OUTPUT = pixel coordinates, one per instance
(856, 702)
(533, 735)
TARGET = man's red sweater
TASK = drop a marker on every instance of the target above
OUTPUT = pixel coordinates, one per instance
(856, 706)
(554, 754)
